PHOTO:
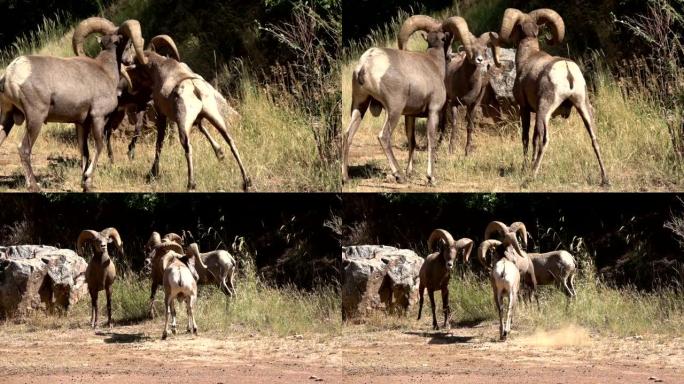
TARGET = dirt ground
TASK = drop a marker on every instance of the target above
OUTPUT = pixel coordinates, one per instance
(135, 353)
(472, 355)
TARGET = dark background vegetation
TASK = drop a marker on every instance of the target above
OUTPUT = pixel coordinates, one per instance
(589, 23)
(285, 233)
(622, 234)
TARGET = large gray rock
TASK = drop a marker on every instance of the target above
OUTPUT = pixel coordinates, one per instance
(39, 277)
(502, 78)
(377, 277)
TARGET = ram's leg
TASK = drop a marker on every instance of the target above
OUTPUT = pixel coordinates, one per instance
(113, 122)
(220, 124)
(6, 122)
(82, 135)
(431, 294)
(433, 120)
(108, 291)
(140, 118)
(231, 282)
(421, 292)
(97, 126)
(34, 123)
(193, 301)
(454, 128)
(93, 308)
(385, 139)
(509, 316)
(173, 316)
(161, 134)
(188, 308)
(154, 292)
(358, 109)
(167, 309)
(525, 115)
(410, 125)
(470, 118)
(584, 110)
(445, 307)
(571, 284)
(214, 145)
(541, 132)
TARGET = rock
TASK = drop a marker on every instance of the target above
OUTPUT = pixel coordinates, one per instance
(503, 78)
(378, 277)
(39, 277)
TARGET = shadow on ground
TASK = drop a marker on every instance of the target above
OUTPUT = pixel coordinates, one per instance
(442, 337)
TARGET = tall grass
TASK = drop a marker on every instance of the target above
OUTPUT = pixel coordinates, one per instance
(599, 307)
(257, 307)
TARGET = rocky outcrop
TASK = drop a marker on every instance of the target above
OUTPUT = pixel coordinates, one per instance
(39, 277)
(377, 277)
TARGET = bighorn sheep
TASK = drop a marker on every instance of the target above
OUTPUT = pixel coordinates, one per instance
(100, 273)
(136, 97)
(180, 282)
(435, 272)
(84, 92)
(155, 251)
(545, 84)
(513, 251)
(467, 76)
(505, 279)
(402, 83)
(217, 267)
(557, 267)
(185, 98)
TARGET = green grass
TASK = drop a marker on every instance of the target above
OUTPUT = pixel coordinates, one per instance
(599, 308)
(633, 134)
(257, 307)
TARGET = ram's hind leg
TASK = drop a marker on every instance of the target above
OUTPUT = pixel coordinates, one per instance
(34, 123)
(410, 126)
(188, 107)
(584, 110)
(220, 124)
(6, 121)
(214, 145)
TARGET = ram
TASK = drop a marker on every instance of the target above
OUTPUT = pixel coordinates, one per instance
(84, 93)
(545, 84)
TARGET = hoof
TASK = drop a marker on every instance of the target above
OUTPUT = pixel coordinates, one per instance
(605, 183)
(194, 331)
(131, 155)
(247, 185)
(435, 327)
(220, 155)
(400, 179)
(431, 181)
(165, 335)
(192, 186)
(469, 149)
(173, 330)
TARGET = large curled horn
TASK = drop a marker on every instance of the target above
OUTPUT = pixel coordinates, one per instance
(492, 39)
(519, 228)
(459, 29)
(131, 28)
(87, 27)
(495, 227)
(510, 239)
(113, 234)
(153, 241)
(83, 237)
(166, 246)
(439, 234)
(416, 23)
(193, 250)
(483, 249)
(165, 46)
(511, 18)
(466, 245)
(553, 19)
(171, 236)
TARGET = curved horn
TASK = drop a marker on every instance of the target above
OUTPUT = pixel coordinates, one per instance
(519, 228)
(165, 46)
(124, 73)
(553, 19)
(466, 245)
(153, 241)
(413, 24)
(495, 226)
(172, 236)
(511, 18)
(510, 239)
(131, 28)
(113, 234)
(87, 27)
(193, 250)
(439, 234)
(492, 39)
(167, 246)
(459, 28)
(483, 249)
(84, 236)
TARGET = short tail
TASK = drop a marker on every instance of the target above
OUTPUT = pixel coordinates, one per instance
(571, 79)
(360, 75)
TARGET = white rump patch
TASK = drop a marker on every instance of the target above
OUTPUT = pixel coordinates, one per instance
(376, 63)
